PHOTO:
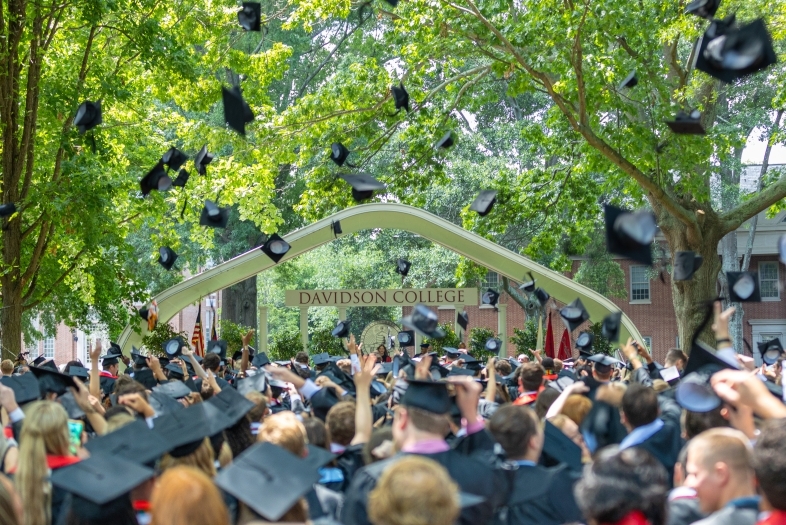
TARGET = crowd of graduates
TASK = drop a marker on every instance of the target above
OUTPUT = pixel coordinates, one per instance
(394, 438)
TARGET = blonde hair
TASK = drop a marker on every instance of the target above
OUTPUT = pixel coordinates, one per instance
(200, 459)
(285, 430)
(7, 367)
(186, 496)
(45, 431)
(577, 407)
(414, 491)
(10, 504)
(118, 421)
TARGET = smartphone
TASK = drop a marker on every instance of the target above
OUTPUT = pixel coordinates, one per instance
(75, 429)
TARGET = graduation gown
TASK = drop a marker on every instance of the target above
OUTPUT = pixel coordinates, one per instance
(350, 461)
(540, 496)
(471, 475)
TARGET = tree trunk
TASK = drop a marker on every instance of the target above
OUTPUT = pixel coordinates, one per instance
(11, 315)
(239, 303)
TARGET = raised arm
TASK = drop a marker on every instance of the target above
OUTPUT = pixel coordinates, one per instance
(95, 380)
(189, 354)
(363, 416)
(246, 339)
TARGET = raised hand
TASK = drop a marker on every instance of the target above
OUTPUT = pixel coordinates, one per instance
(95, 353)
(246, 339)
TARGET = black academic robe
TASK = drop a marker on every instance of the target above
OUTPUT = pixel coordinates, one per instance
(540, 496)
(350, 461)
(666, 443)
(472, 477)
(107, 384)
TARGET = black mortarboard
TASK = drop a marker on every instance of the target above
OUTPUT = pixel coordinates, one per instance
(610, 329)
(250, 15)
(687, 123)
(217, 347)
(139, 359)
(260, 360)
(237, 112)
(320, 359)
(173, 347)
(49, 364)
(318, 457)
(630, 234)
(156, 179)
(39, 360)
(71, 406)
(703, 8)
(100, 486)
(336, 227)
(184, 429)
(146, 378)
(255, 383)
(559, 448)
(52, 381)
(584, 341)
(182, 178)
(529, 284)
(166, 257)
(771, 351)
(80, 372)
(694, 391)
(603, 362)
(462, 318)
(484, 202)
(275, 247)
(402, 267)
(163, 404)
(173, 389)
(174, 368)
(238, 355)
(424, 321)
(743, 287)
(542, 296)
(25, 387)
(88, 116)
(574, 314)
(427, 395)
(406, 338)
(400, 97)
(449, 350)
(202, 159)
(232, 404)
(213, 216)
(174, 158)
(338, 153)
(363, 185)
(256, 476)
(728, 52)
(7, 209)
(457, 371)
(134, 442)
(490, 297)
(685, 265)
(493, 345)
(341, 329)
(425, 344)
(447, 140)
(630, 81)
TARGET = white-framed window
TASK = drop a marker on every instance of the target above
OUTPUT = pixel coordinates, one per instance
(639, 285)
(647, 340)
(49, 347)
(491, 281)
(677, 342)
(768, 280)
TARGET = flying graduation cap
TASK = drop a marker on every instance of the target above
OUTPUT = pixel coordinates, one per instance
(542, 296)
(728, 52)
(202, 159)
(529, 285)
(703, 8)
(484, 202)
(156, 179)
(424, 321)
(611, 326)
(406, 338)
(687, 123)
(493, 344)
(339, 153)
(402, 267)
(250, 15)
(400, 97)
(447, 141)
(694, 391)
(574, 314)
(630, 234)
(174, 158)
(771, 351)
(341, 329)
(173, 347)
(743, 287)
(685, 265)
(182, 178)
(275, 247)
(166, 257)
(8, 209)
(462, 318)
(213, 216)
(630, 81)
(363, 185)
(237, 112)
(584, 342)
(490, 297)
(88, 116)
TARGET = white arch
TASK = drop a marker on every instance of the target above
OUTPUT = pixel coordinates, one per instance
(381, 215)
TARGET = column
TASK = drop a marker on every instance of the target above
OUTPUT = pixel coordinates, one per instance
(342, 313)
(502, 328)
(262, 329)
(304, 327)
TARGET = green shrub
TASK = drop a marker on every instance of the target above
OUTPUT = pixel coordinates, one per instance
(601, 345)
(233, 334)
(322, 340)
(284, 345)
(451, 339)
(477, 343)
(153, 342)
(526, 339)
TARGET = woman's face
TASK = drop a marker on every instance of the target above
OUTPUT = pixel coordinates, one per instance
(381, 349)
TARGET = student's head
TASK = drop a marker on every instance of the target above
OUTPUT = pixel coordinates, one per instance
(415, 423)
(694, 423)
(260, 410)
(769, 463)
(186, 496)
(301, 357)
(558, 365)
(577, 407)
(503, 368)
(316, 432)
(601, 372)
(531, 377)
(572, 431)
(544, 401)
(379, 446)
(414, 491)
(211, 362)
(639, 406)
(202, 459)
(517, 430)
(621, 482)
(340, 423)
(676, 357)
(7, 367)
(719, 467)
(285, 430)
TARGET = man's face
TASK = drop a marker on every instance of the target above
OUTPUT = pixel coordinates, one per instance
(523, 358)
(704, 481)
(113, 369)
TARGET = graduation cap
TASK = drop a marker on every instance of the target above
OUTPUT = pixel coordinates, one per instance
(630, 234)
(173, 389)
(493, 345)
(156, 179)
(406, 338)
(610, 328)
(174, 369)
(184, 429)
(70, 405)
(336, 227)
(52, 381)
(430, 396)
(173, 347)
(146, 378)
(743, 287)
(630, 81)
(217, 347)
(490, 297)
(163, 404)
(559, 448)
(174, 158)
(182, 178)
(80, 372)
(542, 296)
(318, 457)
(202, 159)
(402, 267)
(249, 16)
(703, 8)
(728, 52)
(449, 350)
(88, 116)
(771, 351)
(275, 247)
(100, 486)
(232, 404)
(341, 329)
(484, 202)
(574, 314)
(694, 392)
(7, 209)
(256, 476)
(39, 360)
(237, 112)
(363, 185)
(134, 442)
(447, 140)
(139, 359)
(401, 97)
(339, 153)
(687, 123)
(424, 321)
(260, 360)
(584, 342)
(603, 362)
(166, 257)
(457, 371)
(239, 354)
(529, 285)
(25, 387)
(213, 216)
(255, 383)
(685, 265)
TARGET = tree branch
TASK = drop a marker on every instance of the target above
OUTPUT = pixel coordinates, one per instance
(40, 246)
(57, 282)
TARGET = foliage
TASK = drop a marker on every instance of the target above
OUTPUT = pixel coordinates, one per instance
(233, 334)
(451, 339)
(600, 271)
(322, 340)
(154, 341)
(477, 342)
(526, 339)
(601, 345)
(284, 345)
